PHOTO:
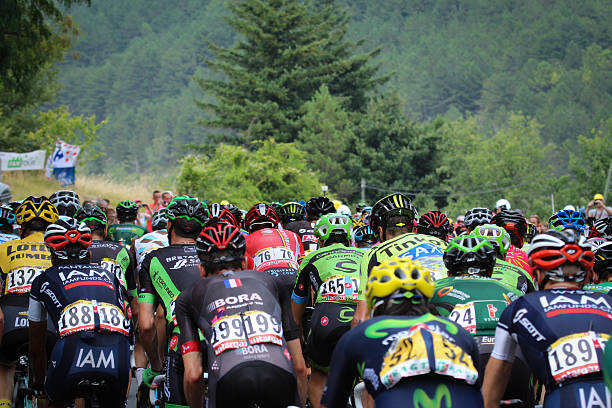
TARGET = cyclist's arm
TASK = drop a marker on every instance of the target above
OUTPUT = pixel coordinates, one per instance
(299, 296)
(146, 316)
(37, 316)
(499, 365)
(362, 313)
(190, 350)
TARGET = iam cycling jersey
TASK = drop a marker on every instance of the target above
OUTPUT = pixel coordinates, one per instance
(562, 334)
(305, 230)
(21, 262)
(110, 255)
(276, 252)
(4, 237)
(246, 318)
(425, 248)
(147, 243)
(401, 358)
(516, 256)
(124, 233)
(514, 276)
(333, 272)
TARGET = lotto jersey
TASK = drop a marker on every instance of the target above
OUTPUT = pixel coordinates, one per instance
(21, 261)
(333, 272)
(123, 233)
(474, 302)
(427, 249)
(514, 276)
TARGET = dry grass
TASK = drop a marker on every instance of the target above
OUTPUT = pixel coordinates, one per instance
(88, 187)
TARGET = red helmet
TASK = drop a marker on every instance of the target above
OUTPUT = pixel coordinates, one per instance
(261, 216)
(68, 238)
(221, 237)
(434, 223)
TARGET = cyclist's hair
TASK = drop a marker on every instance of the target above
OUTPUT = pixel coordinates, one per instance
(405, 307)
(35, 225)
(391, 227)
(336, 238)
(212, 267)
(186, 228)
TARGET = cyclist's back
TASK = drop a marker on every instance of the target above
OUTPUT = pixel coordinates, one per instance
(127, 229)
(514, 276)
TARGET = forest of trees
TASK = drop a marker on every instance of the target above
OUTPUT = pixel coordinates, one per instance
(458, 102)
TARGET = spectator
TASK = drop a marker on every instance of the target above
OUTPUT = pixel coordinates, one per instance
(501, 204)
(103, 203)
(167, 196)
(535, 220)
(459, 226)
(600, 211)
(111, 215)
(154, 206)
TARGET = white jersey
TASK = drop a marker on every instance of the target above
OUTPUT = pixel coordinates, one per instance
(147, 243)
(7, 237)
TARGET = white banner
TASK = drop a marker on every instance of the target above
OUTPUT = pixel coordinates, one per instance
(64, 155)
(22, 161)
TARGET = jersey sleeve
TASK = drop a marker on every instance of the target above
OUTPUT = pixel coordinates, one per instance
(186, 318)
(290, 329)
(364, 270)
(127, 261)
(301, 289)
(505, 345)
(146, 294)
(343, 371)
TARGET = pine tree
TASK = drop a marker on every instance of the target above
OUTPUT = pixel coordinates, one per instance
(286, 50)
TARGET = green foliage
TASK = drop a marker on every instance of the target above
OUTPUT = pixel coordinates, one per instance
(271, 172)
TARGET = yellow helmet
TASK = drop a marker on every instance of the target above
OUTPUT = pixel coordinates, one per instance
(33, 208)
(398, 274)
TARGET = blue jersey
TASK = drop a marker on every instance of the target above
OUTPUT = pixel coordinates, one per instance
(561, 332)
(392, 352)
(7, 237)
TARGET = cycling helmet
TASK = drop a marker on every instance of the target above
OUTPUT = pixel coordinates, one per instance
(67, 202)
(127, 210)
(7, 215)
(92, 216)
(471, 255)
(477, 216)
(276, 205)
(532, 231)
(159, 220)
(567, 219)
(36, 209)
(604, 227)
(215, 209)
(497, 236)
(68, 239)
(318, 206)
(395, 204)
(514, 222)
(292, 211)
(188, 209)
(360, 207)
(236, 212)
(603, 261)
(333, 224)
(551, 250)
(365, 234)
(434, 223)
(503, 204)
(260, 216)
(401, 278)
(221, 237)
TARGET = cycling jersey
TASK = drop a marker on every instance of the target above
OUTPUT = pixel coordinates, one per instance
(562, 334)
(123, 233)
(305, 230)
(396, 356)
(246, 318)
(334, 274)
(516, 256)
(514, 276)
(147, 243)
(425, 248)
(603, 287)
(109, 254)
(4, 237)
(21, 262)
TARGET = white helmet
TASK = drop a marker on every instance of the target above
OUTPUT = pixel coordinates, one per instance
(503, 203)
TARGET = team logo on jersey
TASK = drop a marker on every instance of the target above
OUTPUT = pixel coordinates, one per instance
(232, 283)
(324, 321)
(423, 250)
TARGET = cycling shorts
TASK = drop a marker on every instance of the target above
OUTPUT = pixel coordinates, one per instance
(16, 330)
(430, 391)
(329, 322)
(173, 384)
(89, 356)
(257, 382)
(591, 392)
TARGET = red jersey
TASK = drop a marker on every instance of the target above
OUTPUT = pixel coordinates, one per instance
(274, 248)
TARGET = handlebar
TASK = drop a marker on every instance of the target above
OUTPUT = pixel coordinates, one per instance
(157, 381)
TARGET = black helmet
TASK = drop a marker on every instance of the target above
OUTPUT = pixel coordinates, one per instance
(260, 216)
(292, 211)
(318, 206)
(214, 210)
(434, 223)
(189, 212)
(220, 237)
(127, 210)
(36, 211)
(469, 254)
(92, 216)
(477, 216)
(68, 239)
(159, 220)
(603, 261)
(7, 215)
(67, 202)
(395, 204)
(236, 212)
(514, 222)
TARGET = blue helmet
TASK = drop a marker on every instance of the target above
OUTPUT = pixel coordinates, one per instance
(365, 234)
(7, 215)
(567, 219)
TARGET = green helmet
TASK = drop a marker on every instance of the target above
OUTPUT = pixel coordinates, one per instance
(496, 235)
(469, 254)
(91, 213)
(333, 223)
(127, 210)
(188, 208)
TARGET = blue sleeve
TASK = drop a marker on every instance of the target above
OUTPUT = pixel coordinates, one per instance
(343, 372)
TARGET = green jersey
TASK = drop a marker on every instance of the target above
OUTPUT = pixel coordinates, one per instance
(426, 249)
(603, 287)
(123, 233)
(474, 302)
(333, 272)
(514, 276)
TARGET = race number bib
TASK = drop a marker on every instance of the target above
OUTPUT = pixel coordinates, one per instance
(83, 314)
(339, 288)
(272, 254)
(113, 267)
(465, 315)
(575, 355)
(20, 280)
(408, 357)
(248, 328)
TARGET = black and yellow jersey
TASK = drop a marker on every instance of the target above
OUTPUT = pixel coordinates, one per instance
(21, 261)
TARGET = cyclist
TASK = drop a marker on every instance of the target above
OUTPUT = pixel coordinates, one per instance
(317, 207)
(273, 250)
(86, 306)
(435, 223)
(504, 271)
(7, 219)
(127, 229)
(560, 329)
(477, 216)
(157, 238)
(405, 354)
(293, 218)
(333, 273)
(603, 227)
(253, 351)
(393, 217)
(67, 202)
(21, 261)
(471, 298)
(514, 222)
(164, 273)
(364, 237)
(602, 270)
(567, 219)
